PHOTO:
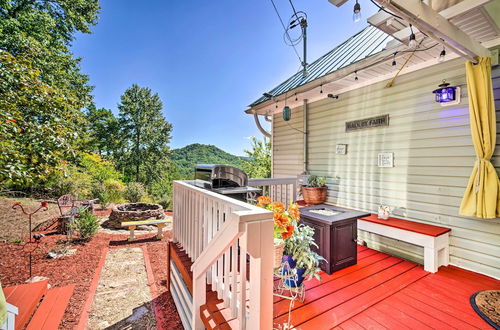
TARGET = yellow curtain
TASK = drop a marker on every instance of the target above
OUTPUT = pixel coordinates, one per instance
(3, 307)
(482, 196)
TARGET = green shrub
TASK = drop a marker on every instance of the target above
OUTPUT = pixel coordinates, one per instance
(135, 192)
(165, 201)
(98, 168)
(115, 190)
(70, 180)
(86, 225)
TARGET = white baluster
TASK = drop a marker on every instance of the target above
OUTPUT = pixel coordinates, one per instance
(234, 279)
(242, 297)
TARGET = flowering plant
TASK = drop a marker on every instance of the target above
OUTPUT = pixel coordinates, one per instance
(285, 219)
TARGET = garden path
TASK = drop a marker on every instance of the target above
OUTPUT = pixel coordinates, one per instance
(123, 297)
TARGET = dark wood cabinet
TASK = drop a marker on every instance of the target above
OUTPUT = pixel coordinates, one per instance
(335, 232)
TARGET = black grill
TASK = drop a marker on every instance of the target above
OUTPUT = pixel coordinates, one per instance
(223, 179)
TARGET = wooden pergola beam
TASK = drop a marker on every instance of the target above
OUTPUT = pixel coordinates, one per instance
(436, 26)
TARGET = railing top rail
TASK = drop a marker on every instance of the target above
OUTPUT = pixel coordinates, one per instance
(238, 205)
(271, 181)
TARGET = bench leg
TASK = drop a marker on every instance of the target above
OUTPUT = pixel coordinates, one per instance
(160, 230)
(431, 259)
(131, 237)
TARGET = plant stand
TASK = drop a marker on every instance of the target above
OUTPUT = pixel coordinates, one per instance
(283, 275)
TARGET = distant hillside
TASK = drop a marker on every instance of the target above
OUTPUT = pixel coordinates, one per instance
(187, 157)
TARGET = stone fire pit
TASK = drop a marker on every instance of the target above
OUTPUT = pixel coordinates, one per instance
(134, 212)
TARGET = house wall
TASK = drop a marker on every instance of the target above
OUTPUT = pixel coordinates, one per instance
(433, 156)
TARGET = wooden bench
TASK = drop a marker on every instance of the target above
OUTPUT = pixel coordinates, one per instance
(434, 239)
(132, 225)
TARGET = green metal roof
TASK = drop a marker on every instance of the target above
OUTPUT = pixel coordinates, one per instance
(363, 44)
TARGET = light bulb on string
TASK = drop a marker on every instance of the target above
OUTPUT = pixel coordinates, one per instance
(321, 89)
(442, 56)
(394, 60)
(356, 15)
(296, 99)
(356, 76)
(413, 42)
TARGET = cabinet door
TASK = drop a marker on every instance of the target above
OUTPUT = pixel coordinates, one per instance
(321, 239)
(344, 243)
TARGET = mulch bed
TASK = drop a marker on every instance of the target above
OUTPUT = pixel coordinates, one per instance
(79, 269)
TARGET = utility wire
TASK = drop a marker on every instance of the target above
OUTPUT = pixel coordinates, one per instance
(286, 31)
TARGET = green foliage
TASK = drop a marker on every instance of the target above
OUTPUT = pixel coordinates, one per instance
(86, 224)
(103, 130)
(316, 181)
(70, 179)
(299, 246)
(145, 134)
(38, 124)
(184, 159)
(259, 163)
(110, 191)
(41, 87)
(99, 168)
(135, 192)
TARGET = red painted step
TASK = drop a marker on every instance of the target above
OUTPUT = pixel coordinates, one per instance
(51, 311)
(25, 297)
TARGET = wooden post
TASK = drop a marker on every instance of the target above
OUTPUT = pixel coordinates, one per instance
(260, 248)
(199, 298)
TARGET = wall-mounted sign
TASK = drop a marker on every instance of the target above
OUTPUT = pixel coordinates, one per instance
(386, 159)
(367, 123)
(341, 149)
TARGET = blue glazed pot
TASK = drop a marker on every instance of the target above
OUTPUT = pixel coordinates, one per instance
(291, 262)
(300, 278)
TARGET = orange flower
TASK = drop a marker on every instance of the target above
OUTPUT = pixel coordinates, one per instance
(294, 211)
(288, 233)
(280, 220)
(278, 207)
(263, 200)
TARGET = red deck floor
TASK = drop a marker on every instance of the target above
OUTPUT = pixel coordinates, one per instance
(380, 292)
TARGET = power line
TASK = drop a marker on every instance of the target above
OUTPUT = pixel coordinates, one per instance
(286, 31)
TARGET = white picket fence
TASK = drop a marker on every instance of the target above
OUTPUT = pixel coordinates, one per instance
(220, 235)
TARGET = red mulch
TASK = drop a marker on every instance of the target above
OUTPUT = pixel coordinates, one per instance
(79, 269)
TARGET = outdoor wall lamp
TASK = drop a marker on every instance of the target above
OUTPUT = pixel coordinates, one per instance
(287, 113)
(446, 94)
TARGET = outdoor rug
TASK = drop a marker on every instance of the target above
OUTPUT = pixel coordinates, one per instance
(487, 304)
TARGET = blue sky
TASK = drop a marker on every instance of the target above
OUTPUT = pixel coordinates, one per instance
(207, 60)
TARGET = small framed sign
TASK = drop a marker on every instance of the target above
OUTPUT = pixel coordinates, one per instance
(341, 149)
(386, 159)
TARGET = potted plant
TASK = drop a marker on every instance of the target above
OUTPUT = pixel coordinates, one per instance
(306, 261)
(315, 191)
(285, 220)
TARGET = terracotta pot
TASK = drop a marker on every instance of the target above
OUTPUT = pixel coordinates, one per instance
(314, 195)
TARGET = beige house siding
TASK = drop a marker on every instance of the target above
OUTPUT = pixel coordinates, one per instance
(433, 156)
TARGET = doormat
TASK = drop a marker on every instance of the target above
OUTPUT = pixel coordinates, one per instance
(487, 304)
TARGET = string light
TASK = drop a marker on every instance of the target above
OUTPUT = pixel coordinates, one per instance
(356, 75)
(394, 60)
(356, 16)
(413, 43)
(442, 56)
(321, 90)
(296, 99)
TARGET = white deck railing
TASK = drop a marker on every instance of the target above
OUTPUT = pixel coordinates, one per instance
(218, 233)
(282, 190)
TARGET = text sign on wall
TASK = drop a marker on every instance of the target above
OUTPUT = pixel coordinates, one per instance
(367, 123)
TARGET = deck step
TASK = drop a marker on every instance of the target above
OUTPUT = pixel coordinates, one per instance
(26, 298)
(51, 311)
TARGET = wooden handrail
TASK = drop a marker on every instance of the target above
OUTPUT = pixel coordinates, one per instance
(219, 233)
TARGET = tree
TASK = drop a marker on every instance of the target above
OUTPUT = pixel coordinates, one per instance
(259, 164)
(103, 130)
(42, 90)
(145, 133)
(38, 125)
